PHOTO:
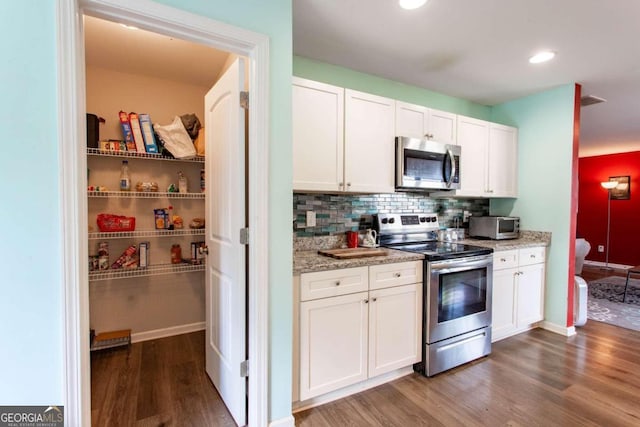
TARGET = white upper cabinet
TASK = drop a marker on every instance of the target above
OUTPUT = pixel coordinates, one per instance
(421, 122)
(473, 138)
(318, 136)
(369, 143)
(503, 161)
(489, 159)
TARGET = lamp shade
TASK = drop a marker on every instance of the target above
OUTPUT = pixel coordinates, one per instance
(609, 184)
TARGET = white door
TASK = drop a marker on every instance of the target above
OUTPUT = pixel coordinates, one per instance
(318, 136)
(225, 339)
(442, 126)
(369, 154)
(473, 138)
(503, 161)
(333, 343)
(503, 317)
(411, 120)
(395, 327)
(530, 295)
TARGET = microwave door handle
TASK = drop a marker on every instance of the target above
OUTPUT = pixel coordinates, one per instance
(453, 167)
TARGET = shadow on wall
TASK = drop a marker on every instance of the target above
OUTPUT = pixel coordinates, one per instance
(336, 214)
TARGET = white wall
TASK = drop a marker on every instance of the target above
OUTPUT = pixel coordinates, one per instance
(110, 91)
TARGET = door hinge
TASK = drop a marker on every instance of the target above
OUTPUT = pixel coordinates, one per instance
(244, 368)
(244, 236)
(244, 99)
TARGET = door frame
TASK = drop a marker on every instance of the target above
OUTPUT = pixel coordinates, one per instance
(73, 183)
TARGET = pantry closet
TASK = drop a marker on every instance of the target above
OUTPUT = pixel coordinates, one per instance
(133, 70)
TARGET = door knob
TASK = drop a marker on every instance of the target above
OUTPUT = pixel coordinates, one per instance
(204, 250)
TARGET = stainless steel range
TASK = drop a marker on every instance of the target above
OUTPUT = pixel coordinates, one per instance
(457, 290)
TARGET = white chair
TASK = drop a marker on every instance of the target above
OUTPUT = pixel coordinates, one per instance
(582, 249)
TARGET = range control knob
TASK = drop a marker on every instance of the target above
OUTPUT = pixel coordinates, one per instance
(433, 219)
(392, 220)
(384, 220)
(423, 219)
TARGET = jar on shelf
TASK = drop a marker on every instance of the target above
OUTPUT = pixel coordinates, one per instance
(176, 254)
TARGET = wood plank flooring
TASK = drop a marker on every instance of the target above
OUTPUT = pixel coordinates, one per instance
(533, 379)
(155, 383)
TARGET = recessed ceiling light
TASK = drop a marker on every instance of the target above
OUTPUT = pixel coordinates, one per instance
(130, 27)
(542, 56)
(411, 4)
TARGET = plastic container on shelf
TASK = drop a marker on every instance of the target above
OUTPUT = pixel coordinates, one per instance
(125, 179)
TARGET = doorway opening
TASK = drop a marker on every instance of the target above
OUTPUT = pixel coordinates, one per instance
(161, 19)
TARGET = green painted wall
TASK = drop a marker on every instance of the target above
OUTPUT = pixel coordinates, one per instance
(344, 77)
(545, 158)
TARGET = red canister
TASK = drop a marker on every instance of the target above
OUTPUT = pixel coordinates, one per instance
(176, 254)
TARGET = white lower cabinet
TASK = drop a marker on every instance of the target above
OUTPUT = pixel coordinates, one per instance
(346, 339)
(333, 343)
(518, 291)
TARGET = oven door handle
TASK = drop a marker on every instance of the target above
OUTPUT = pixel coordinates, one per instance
(460, 264)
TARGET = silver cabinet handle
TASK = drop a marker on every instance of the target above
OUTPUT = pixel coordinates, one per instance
(375, 299)
(398, 275)
(338, 283)
(348, 184)
(503, 260)
(532, 256)
(366, 301)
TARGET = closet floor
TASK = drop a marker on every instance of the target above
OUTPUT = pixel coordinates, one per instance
(155, 383)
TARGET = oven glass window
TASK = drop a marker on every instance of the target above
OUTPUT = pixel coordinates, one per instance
(506, 226)
(462, 293)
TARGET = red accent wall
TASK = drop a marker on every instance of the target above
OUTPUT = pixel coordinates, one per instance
(625, 214)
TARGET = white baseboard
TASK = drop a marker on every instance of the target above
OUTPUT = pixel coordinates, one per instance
(167, 332)
(566, 331)
(602, 264)
(284, 422)
(352, 389)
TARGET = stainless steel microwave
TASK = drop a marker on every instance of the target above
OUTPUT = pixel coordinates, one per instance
(494, 227)
(422, 164)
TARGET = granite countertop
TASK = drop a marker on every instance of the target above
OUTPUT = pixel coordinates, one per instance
(306, 261)
(306, 258)
(527, 239)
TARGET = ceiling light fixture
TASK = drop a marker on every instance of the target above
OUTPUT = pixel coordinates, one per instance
(411, 4)
(542, 56)
(130, 27)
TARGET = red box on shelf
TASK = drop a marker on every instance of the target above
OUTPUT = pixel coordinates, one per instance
(114, 223)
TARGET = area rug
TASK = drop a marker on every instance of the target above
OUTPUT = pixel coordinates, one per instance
(612, 288)
(614, 313)
(604, 303)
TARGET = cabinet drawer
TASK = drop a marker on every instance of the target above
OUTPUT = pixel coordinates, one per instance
(530, 256)
(505, 259)
(389, 275)
(323, 284)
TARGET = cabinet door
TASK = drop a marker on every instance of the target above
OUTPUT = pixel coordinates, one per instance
(530, 295)
(442, 126)
(333, 343)
(369, 143)
(503, 317)
(503, 161)
(411, 120)
(395, 317)
(318, 136)
(473, 138)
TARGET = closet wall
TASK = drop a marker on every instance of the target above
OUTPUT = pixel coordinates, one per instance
(157, 305)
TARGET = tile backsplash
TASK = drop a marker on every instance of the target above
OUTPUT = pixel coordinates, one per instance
(336, 214)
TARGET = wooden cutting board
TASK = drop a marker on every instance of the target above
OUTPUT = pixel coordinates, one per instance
(352, 252)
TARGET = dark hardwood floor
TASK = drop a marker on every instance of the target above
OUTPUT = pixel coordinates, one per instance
(533, 379)
(593, 273)
(155, 383)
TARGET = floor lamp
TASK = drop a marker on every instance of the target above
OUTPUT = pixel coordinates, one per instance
(608, 185)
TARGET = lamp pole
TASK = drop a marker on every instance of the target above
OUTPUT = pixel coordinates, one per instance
(608, 185)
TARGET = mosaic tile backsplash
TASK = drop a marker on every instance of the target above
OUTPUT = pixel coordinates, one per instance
(336, 214)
